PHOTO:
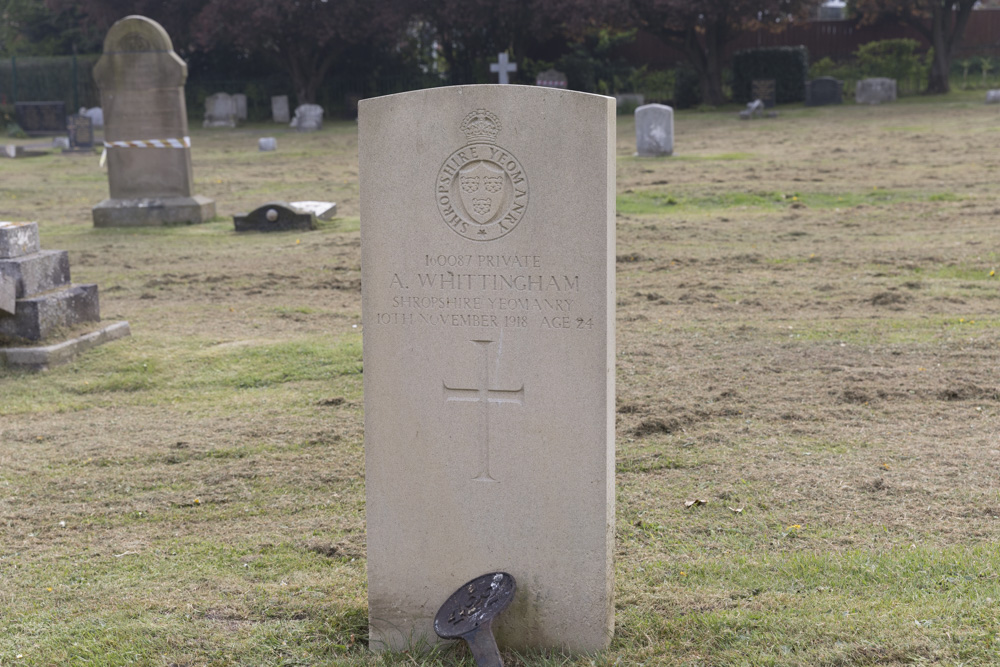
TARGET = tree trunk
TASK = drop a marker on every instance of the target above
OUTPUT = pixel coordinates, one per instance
(711, 83)
(937, 81)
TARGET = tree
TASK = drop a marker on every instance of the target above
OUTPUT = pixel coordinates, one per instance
(941, 22)
(701, 29)
(28, 27)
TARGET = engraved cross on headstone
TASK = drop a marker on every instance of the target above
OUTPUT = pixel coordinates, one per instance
(486, 395)
(503, 67)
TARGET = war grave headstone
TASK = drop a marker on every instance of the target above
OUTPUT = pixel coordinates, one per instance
(274, 217)
(654, 130)
(487, 236)
(875, 91)
(552, 78)
(146, 130)
(824, 90)
(220, 111)
(503, 67)
(993, 96)
(37, 301)
(308, 118)
(765, 91)
(279, 109)
(81, 133)
(240, 100)
(39, 118)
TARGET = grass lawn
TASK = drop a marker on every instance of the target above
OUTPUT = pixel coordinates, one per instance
(808, 343)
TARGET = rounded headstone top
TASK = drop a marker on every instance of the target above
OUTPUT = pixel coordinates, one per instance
(137, 34)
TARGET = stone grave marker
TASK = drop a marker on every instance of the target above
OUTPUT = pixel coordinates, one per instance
(146, 130)
(37, 118)
(95, 114)
(81, 132)
(266, 144)
(654, 130)
(308, 118)
(323, 210)
(487, 235)
(279, 109)
(240, 100)
(875, 91)
(220, 111)
(993, 96)
(274, 217)
(552, 78)
(503, 67)
(765, 91)
(824, 90)
(44, 300)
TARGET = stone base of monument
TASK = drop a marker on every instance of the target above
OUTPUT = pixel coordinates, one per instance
(38, 301)
(153, 212)
(47, 356)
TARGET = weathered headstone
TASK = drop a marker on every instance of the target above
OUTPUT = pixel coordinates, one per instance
(240, 100)
(308, 118)
(146, 130)
(279, 109)
(274, 217)
(81, 132)
(503, 67)
(875, 91)
(993, 96)
(41, 117)
(824, 90)
(488, 268)
(266, 144)
(220, 111)
(552, 78)
(44, 301)
(765, 91)
(654, 130)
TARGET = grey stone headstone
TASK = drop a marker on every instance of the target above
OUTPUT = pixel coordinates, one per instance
(765, 91)
(142, 94)
(18, 238)
(8, 295)
(551, 78)
(993, 96)
(654, 130)
(308, 118)
(240, 100)
(274, 217)
(824, 90)
(267, 144)
(875, 91)
(81, 132)
(279, 109)
(220, 111)
(61, 142)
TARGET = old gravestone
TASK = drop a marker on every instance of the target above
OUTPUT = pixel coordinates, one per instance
(81, 132)
(875, 91)
(993, 96)
(654, 130)
(488, 295)
(146, 130)
(240, 100)
(220, 111)
(765, 91)
(274, 217)
(552, 78)
(279, 109)
(824, 90)
(308, 118)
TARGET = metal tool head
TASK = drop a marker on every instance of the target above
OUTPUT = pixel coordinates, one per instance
(475, 604)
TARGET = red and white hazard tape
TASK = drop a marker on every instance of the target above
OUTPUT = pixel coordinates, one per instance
(184, 142)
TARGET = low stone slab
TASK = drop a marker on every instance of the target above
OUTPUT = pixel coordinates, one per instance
(875, 91)
(274, 217)
(13, 151)
(993, 96)
(324, 210)
(153, 212)
(43, 358)
(18, 238)
(37, 318)
(33, 274)
(265, 144)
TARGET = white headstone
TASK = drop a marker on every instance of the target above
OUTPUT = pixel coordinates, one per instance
(267, 144)
(875, 91)
(220, 111)
(488, 264)
(308, 118)
(654, 130)
(503, 67)
(993, 96)
(323, 210)
(240, 100)
(279, 109)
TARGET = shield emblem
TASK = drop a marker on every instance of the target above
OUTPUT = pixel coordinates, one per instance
(482, 187)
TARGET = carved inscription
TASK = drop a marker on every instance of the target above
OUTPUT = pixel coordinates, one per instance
(486, 396)
(481, 189)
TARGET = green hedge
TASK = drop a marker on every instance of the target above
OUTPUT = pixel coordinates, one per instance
(787, 65)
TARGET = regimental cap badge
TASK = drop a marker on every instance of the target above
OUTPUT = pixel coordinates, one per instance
(481, 126)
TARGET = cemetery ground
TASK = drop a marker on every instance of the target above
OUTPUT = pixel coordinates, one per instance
(808, 437)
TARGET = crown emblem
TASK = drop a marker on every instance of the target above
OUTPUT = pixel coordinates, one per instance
(481, 126)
